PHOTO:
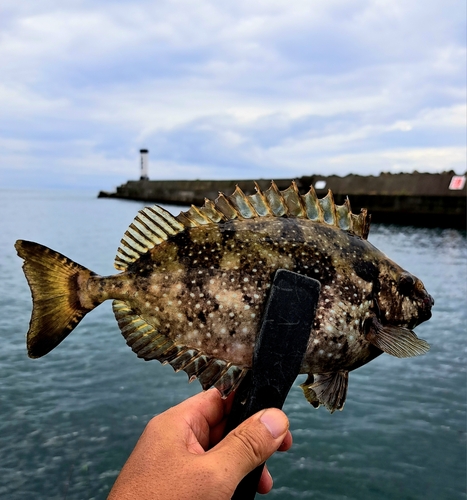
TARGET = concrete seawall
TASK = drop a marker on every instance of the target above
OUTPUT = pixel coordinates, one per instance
(408, 199)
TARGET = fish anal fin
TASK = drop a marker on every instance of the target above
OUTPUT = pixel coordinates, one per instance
(148, 343)
(328, 389)
(396, 340)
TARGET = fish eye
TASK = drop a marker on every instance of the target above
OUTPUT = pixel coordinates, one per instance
(406, 283)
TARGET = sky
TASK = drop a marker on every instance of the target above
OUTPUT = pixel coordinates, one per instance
(229, 89)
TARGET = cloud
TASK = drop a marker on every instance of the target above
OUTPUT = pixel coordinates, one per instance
(231, 89)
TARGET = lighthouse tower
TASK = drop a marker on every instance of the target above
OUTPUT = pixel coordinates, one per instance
(144, 164)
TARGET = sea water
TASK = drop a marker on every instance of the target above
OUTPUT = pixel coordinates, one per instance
(68, 421)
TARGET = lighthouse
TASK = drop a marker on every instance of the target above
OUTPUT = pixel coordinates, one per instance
(144, 164)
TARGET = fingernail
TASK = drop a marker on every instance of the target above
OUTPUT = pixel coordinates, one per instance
(269, 474)
(275, 421)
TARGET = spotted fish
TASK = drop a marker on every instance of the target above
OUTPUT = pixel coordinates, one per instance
(192, 289)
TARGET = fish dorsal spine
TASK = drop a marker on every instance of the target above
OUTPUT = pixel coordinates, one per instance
(153, 225)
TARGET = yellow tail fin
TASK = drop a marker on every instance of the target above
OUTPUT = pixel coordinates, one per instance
(58, 293)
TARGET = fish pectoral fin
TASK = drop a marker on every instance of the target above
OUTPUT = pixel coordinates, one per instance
(148, 343)
(328, 389)
(396, 340)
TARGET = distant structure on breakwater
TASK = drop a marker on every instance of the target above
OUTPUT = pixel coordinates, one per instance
(144, 164)
(430, 200)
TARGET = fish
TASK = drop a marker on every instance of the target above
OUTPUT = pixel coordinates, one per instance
(192, 289)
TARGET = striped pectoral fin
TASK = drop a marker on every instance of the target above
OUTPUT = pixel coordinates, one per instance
(148, 343)
(396, 340)
(328, 389)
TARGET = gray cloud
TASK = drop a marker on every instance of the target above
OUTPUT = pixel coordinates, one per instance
(231, 89)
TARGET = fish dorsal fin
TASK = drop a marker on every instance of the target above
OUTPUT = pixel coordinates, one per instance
(273, 202)
(207, 214)
(148, 343)
(151, 226)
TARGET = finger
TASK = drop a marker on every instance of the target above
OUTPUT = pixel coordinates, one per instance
(194, 417)
(217, 433)
(228, 402)
(250, 444)
(207, 404)
(266, 482)
(287, 443)
(218, 430)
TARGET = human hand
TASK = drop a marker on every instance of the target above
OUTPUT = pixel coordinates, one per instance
(181, 454)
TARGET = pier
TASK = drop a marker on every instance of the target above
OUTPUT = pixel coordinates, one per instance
(420, 199)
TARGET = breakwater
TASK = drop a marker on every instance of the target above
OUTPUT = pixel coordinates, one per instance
(418, 199)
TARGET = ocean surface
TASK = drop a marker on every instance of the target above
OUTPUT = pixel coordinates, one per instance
(68, 421)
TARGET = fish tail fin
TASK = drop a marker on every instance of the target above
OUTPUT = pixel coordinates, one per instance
(60, 299)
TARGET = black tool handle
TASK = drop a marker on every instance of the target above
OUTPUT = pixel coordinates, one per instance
(279, 350)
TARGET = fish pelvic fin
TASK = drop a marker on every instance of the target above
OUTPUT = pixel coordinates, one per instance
(396, 340)
(58, 294)
(328, 389)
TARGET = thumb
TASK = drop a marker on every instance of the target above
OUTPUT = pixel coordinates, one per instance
(251, 443)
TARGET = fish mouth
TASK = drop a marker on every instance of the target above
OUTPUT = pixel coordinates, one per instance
(425, 310)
